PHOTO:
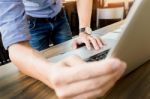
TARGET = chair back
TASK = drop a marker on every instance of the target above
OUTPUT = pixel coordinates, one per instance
(110, 13)
(116, 4)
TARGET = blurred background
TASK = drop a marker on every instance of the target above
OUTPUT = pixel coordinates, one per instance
(105, 12)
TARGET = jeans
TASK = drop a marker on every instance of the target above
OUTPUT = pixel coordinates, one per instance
(46, 31)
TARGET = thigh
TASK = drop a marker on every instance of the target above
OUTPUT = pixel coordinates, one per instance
(62, 31)
(40, 34)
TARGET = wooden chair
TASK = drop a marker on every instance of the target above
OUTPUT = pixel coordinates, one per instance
(109, 14)
(116, 4)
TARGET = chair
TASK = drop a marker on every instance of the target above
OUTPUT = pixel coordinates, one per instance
(116, 4)
(109, 14)
(4, 57)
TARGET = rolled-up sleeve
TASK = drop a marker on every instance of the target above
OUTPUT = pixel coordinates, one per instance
(13, 23)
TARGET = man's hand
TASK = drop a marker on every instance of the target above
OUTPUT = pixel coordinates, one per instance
(72, 78)
(89, 40)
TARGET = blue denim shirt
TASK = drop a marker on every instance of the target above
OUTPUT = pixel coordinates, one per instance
(13, 23)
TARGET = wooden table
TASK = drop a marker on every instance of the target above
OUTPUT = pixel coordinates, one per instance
(15, 85)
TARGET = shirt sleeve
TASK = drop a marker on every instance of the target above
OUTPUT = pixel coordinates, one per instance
(13, 23)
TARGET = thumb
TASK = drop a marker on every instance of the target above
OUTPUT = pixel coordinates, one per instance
(76, 42)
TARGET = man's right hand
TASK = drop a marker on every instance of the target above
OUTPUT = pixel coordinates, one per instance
(72, 78)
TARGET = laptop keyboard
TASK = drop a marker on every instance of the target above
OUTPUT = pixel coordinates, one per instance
(98, 56)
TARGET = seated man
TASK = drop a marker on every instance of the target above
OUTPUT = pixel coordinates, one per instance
(71, 77)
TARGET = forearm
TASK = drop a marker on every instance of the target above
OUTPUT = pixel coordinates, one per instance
(30, 62)
(84, 8)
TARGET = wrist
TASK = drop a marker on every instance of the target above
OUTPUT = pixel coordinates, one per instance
(47, 74)
(87, 30)
(83, 34)
(43, 72)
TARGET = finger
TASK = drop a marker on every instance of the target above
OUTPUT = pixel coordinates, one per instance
(86, 86)
(87, 44)
(74, 44)
(95, 93)
(100, 42)
(121, 72)
(108, 85)
(90, 95)
(73, 61)
(94, 43)
(103, 43)
(91, 70)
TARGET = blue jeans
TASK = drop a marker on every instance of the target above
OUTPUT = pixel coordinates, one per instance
(46, 31)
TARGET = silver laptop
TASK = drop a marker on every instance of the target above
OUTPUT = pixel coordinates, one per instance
(131, 45)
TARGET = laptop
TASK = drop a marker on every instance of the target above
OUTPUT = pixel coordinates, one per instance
(132, 45)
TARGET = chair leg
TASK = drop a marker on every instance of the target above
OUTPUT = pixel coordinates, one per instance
(97, 19)
(97, 23)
